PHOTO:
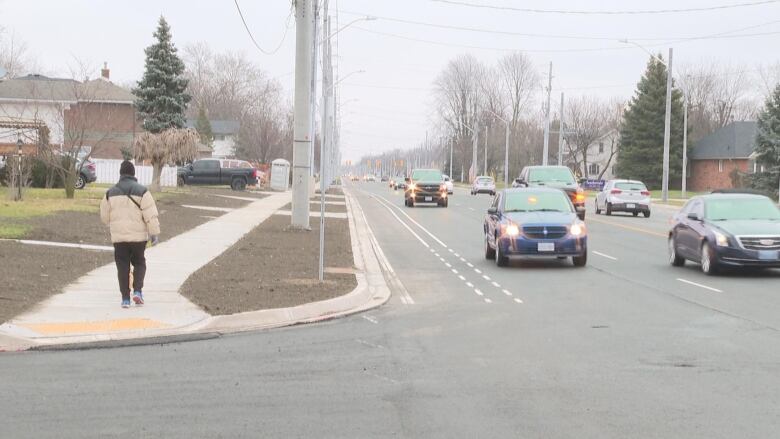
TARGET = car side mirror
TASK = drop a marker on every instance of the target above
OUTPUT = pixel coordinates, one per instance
(492, 211)
(694, 216)
(408, 180)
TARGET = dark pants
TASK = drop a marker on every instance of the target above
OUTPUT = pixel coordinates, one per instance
(126, 253)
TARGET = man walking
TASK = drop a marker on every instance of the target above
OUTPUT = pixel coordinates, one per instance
(131, 214)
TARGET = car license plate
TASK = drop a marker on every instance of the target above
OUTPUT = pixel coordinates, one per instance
(630, 206)
(428, 198)
(545, 247)
(768, 255)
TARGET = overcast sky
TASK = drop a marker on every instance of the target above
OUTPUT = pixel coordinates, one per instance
(390, 104)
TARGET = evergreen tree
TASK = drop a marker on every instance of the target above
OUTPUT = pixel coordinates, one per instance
(642, 133)
(768, 145)
(161, 92)
(203, 127)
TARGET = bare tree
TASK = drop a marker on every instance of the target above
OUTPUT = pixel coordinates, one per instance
(587, 119)
(13, 54)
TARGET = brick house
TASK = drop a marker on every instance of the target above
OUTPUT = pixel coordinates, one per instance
(717, 160)
(96, 116)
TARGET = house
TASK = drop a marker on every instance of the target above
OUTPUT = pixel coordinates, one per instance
(225, 133)
(718, 159)
(94, 116)
(602, 156)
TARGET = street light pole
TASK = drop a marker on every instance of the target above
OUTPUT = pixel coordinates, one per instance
(487, 136)
(546, 150)
(452, 144)
(667, 130)
(19, 145)
(506, 146)
(685, 147)
(560, 136)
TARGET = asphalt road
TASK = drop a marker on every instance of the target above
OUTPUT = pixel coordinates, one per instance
(625, 347)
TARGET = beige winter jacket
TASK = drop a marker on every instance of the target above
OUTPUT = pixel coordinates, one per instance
(129, 211)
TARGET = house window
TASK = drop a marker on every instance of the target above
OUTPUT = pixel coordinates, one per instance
(720, 165)
(593, 169)
(601, 147)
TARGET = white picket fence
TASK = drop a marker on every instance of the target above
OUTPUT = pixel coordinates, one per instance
(107, 171)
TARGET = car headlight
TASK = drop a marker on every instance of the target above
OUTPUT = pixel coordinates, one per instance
(721, 239)
(442, 187)
(412, 186)
(577, 229)
(512, 230)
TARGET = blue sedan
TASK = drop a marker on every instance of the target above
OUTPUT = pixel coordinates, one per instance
(534, 222)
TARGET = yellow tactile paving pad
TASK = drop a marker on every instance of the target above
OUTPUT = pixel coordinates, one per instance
(94, 327)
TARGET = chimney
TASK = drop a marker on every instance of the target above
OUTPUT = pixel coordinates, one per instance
(104, 72)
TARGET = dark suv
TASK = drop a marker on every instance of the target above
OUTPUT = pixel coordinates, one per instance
(558, 177)
(425, 186)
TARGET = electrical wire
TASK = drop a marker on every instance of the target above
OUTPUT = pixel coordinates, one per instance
(604, 12)
(266, 52)
(534, 35)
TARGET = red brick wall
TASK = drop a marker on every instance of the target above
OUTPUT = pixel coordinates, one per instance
(705, 175)
(105, 127)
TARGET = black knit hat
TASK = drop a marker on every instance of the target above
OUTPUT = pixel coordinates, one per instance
(127, 168)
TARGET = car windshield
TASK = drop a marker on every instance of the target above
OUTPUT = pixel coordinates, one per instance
(427, 175)
(625, 186)
(536, 202)
(729, 209)
(557, 174)
(485, 180)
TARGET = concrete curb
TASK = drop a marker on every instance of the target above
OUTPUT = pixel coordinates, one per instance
(372, 291)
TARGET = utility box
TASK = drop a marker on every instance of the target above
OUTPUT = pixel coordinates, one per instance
(280, 175)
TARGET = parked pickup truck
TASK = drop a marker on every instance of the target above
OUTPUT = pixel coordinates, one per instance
(236, 173)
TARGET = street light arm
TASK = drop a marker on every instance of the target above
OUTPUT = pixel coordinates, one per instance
(357, 20)
(654, 56)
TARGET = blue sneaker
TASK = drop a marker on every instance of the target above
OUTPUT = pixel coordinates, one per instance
(138, 298)
(126, 303)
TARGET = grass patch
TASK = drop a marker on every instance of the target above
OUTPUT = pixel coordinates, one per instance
(38, 202)
(676, 194)
(13, 231)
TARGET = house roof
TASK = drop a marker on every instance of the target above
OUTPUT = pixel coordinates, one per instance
(42, 88)
(736, 140)
(219, 126)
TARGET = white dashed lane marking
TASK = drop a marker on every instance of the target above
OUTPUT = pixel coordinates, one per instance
(507, 292)
(371, 319)
(470, 264)
(488, 300)
(461, 277)
(455, 271)
(699, 285)
(518, 300)
(604, 255)
(496, 284)
(478, 271)
(469, 284)
(486, 277)
(479, 293)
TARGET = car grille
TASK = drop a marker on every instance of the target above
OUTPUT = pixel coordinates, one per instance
(427, 188)
(760, 242)
(545, 232)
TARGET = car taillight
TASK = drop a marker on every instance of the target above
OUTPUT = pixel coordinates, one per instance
(580, 196)
(91, 166)
(254, 172)
(615, 191)
(646, 193)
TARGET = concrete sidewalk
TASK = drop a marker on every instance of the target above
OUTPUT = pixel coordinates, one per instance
(89, 310)
(88, 314)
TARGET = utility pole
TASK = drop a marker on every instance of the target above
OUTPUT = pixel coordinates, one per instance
(667, 130)
(452, 143)
(313, 95)
(546, 149)
(560, 136)
(487, 136)
(474, 151)
(685, 146)
(302, 132)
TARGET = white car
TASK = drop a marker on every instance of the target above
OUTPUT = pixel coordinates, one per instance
(483, 185)
(448, 183)
(624, 196)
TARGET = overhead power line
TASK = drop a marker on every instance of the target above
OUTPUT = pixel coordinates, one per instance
(605, 12)
(536, 35)
(251, 37)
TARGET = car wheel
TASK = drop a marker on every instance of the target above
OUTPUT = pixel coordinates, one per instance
(180, 182)
(445, 202)
(580, 261)
(609, 209)
(646, 214)
(411, 202)
(709, 264)
(490, 253)
(674, 257)
(636, 214)
(238, 184)
(81, 182)
(598, 211)
(501, 260)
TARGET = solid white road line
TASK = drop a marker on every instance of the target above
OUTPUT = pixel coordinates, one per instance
(404, 224)
(699, 285)
(415, 222)
(604, 255)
